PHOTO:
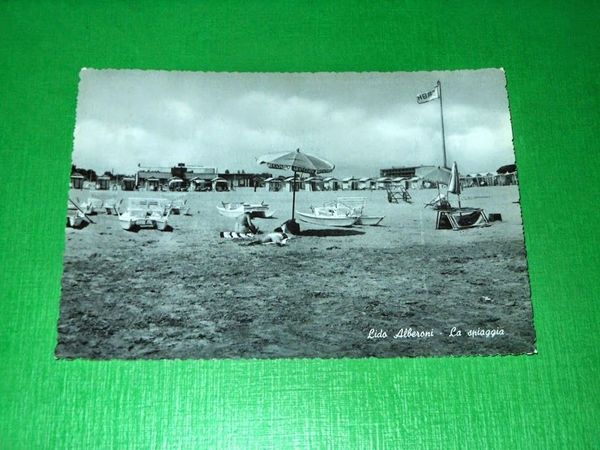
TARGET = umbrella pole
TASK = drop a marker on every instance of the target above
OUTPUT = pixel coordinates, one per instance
(294, 196)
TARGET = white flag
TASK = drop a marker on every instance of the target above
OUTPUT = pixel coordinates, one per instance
(428, 96)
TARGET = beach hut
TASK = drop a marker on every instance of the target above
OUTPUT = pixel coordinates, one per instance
(350, 184)
(274, 184)
(175, 184)
(331, 184)
(219, 184)
(103, 183)
(399, 183)
(289, 181)
(365, 183)
(128, 184)
(200, 184)
(314, 184)
(415, 183)
(77, 180)
(383, 183)
(152, 184)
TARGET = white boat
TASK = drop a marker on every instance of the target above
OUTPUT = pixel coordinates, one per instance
(356, 205)
(91, 206)
(145, 212)
(76, 217)
(179, 206)
(237, 209)
(328, 217)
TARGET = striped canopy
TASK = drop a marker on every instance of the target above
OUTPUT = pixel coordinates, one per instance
(438, 175)
(297, 162)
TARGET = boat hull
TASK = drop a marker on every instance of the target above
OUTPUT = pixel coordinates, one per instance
(327, 221)
(231, 213)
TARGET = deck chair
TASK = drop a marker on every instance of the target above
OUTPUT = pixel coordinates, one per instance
(461, 218)
(440, 202)
(394, 196)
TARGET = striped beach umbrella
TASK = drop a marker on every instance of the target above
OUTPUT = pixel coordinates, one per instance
(296, 161)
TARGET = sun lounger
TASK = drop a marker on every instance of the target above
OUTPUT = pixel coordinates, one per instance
(461, 218)
(236, 235)
(395, 195)
(439, 202)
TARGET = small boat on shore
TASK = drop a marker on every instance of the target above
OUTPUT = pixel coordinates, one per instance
(76, 216)
(92, 205)
(180, 206)
(328, 217)
(234, 210)
(356, 205)
(145, 212)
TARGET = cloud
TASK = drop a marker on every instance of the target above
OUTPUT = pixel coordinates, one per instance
(358, 121)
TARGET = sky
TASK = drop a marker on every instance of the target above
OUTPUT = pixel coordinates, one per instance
(361, 122)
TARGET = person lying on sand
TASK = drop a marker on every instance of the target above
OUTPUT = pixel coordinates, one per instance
(244, 224)
(279, 236)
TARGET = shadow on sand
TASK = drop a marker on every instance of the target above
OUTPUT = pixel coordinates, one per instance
(333, 232)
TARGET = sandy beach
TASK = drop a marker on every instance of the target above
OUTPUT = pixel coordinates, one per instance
(188, 293)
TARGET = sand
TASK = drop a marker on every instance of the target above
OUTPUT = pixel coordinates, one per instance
(188, 293)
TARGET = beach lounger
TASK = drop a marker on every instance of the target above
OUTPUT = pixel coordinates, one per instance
(236, 235)
(394, 196)
(439, 202)
(461, 218)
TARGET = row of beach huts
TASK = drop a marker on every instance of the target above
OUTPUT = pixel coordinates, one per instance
(275, 184)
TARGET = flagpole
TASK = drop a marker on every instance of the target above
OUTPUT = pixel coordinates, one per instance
(439, 85)
(294, 195)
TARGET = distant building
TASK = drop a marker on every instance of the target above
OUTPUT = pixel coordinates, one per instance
(314, 184)
(103, 183)
(289, 182)
(158, 178)
(332, 184)
(128, 183)
(239, 180)
(274, 184)
(405, 171)
(77, 180)
(350, 184)
(384, 183)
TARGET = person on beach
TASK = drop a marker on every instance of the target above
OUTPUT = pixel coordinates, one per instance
(279, 236)
(244, 225)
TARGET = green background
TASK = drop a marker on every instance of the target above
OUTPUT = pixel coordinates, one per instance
(549, 400)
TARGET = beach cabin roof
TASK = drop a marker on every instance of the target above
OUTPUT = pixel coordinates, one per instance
(348, 179)
(399, 179)
(415, 179)
(313, 179)
(128, 179)
(384, 179)
(366, 179)
(473, 175)
(76, 175)
(218, 179)
(328, 179)
(270, 179)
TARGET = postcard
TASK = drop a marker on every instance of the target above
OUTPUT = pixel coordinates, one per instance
(293, 215)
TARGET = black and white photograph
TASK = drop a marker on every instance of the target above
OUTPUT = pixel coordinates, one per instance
(293, 215)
